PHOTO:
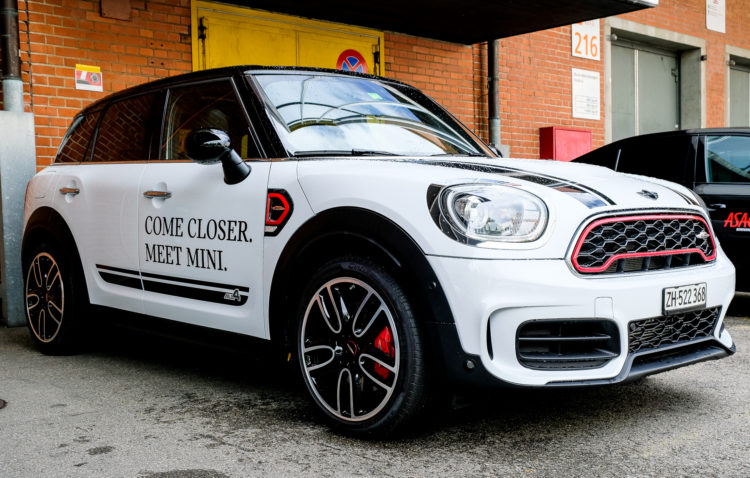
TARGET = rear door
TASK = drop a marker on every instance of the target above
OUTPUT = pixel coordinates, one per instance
(724, 184)
(200, 240)
(98, 198)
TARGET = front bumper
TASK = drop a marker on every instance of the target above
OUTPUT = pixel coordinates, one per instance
(490, 299)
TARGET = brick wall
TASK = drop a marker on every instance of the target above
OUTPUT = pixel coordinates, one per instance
(536, 89)
(535, 69)
(58, 34)
(442, 70)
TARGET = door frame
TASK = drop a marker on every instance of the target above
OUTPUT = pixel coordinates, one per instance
(198, 46)
(691, 52)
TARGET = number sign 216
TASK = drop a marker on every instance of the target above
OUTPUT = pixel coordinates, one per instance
(585, 39)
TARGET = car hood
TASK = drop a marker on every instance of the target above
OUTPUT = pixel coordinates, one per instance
(399, 188)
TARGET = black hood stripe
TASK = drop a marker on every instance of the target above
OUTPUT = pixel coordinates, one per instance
(589, 197)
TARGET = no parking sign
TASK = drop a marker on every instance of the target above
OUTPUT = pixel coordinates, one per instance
(352, 60)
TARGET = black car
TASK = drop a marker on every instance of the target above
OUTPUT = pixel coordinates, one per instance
(713, 162)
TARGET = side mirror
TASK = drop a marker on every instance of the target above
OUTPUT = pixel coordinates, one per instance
(208, 146)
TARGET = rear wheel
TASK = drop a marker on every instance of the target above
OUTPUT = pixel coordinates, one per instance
(55, 299)
(359, 347)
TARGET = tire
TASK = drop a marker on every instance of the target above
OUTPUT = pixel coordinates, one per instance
(56, 299)
(359, 348)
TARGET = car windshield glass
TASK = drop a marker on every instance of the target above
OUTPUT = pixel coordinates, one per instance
(319, 114)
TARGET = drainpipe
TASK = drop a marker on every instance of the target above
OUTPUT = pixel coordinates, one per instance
(493, 98)
(11, 59)
(17, 166)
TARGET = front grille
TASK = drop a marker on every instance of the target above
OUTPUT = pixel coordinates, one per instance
(656, 332)
(643, 243)
(567, 344)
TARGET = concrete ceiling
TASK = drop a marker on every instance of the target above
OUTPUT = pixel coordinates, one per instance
(469, 21)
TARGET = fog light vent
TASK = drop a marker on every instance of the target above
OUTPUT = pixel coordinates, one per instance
(567, 344)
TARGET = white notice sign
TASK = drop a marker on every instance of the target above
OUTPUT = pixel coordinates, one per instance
(584, 38)
(585, 94)
(716, 15)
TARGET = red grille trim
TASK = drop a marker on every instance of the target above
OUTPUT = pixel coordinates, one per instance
(608, 220)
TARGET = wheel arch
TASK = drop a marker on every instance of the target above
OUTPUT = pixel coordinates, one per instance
(351, 230)
(46, 223)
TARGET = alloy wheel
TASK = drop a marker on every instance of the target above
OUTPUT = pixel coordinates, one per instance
(350, 349)
(45, 297)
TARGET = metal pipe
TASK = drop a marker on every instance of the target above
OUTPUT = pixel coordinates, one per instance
(493, 96)
(11, 58)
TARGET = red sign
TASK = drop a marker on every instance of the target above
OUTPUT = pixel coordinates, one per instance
(352, 60)
(737, 220)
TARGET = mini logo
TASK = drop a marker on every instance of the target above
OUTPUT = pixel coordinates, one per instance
(233, 296)
(648, 194)
(702, 236)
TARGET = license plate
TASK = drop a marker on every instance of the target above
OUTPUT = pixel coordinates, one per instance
(684, 298)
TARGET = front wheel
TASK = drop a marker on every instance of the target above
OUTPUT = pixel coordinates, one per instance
(359, 347)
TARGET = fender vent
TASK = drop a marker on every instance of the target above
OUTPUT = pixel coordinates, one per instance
(567, 344)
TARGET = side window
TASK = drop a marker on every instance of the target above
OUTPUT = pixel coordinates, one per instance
(663, 157)
(76, 141)
(125, 131)
(727, 159)
(206, 105)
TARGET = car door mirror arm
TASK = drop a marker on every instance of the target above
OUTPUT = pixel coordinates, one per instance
(208, 146)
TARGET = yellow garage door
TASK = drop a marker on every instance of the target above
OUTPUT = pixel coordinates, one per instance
(224, 35)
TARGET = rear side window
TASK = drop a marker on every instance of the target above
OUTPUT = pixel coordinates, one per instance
(663, 157)
(727, 159)
(76, 142)
(125, 131)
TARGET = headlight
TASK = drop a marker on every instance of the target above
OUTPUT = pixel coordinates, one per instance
(476, 213)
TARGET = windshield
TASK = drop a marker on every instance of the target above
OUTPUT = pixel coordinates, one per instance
(325, 114)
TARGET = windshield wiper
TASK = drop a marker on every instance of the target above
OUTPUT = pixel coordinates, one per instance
(343, 152)
(459, 154)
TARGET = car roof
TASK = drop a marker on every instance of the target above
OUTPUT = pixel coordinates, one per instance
(687, 132)
(223, 72)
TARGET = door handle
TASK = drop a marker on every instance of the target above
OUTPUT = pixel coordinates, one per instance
(71, 191)
(157, 194)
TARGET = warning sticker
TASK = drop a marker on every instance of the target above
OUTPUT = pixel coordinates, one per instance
(352, 60)
(88, 78)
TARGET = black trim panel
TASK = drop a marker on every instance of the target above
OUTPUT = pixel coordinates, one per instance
(132, 282)
(231, 295)
(206, 295)
(195, 282)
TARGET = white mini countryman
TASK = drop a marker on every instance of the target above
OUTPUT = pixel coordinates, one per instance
(360, 226)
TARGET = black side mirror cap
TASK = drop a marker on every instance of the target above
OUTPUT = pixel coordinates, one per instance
(208, 146)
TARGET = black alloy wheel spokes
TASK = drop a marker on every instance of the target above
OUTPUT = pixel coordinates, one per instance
(350, 349)
(45, 297)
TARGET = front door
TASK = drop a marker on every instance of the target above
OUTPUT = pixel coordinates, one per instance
(201, 240)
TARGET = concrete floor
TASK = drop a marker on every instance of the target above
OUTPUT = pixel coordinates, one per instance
(140, 406)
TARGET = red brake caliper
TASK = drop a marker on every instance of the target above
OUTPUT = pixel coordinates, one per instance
(384, 343)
